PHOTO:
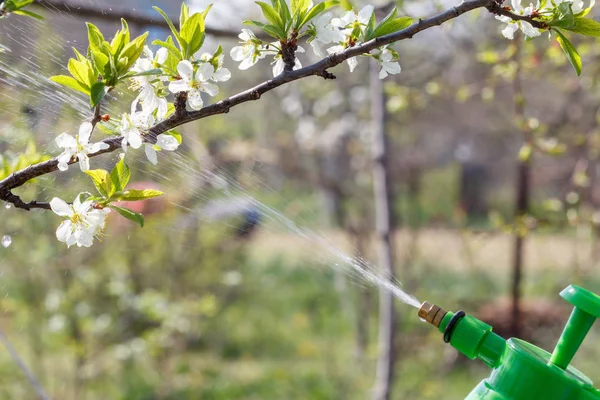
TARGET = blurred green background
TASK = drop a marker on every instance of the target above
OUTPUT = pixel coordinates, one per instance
(208, 301)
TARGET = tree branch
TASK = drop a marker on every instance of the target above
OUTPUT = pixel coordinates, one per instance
(318, 69)
(496, 8)
(130, 16)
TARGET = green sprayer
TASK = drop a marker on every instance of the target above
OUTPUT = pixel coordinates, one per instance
(520, 370)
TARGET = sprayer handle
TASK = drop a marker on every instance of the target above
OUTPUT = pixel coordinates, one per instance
(585, 312)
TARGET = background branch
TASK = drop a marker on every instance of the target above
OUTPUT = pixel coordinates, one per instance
(318, 69)
(130, 16)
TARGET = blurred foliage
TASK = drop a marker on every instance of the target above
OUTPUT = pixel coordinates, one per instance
(182, 309)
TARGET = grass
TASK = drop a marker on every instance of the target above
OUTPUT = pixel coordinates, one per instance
(290, 332)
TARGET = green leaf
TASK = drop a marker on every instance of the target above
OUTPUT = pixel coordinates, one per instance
(29, 14)
(130, 215)
(205, 12)
(132, 51)
(70, 82)
(272, 16)
(81, 71)
(97, 93)
(171, 26)
(138, 195)
(101, 180)
(184, 15)
(121, 39)
(391, 26)
(585, 26)
(193, 34)
(95, 37)
(371, 26)
(150, 72)
(270, 30)
(169, 46)
(316, 10)
(347, 5)
(570, 51)
(563, 17)
(99, 62)
(80, 57)
(119, 177)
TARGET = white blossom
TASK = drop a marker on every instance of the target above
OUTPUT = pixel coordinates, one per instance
(149, 85)
(279, 65)
(79, 146)
(221, 74)
(82, 223)
(389, 65)
(351, 19)
(513, 26)
(194, 84)
(250, 51)
(133, 126)
(163, 142)
(352, 62)
(325, 33)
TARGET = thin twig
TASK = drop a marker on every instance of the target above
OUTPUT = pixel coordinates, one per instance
(318, 69)
(19, 361)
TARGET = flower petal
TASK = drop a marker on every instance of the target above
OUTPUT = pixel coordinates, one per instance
(365, 14)
(222, 75)
(161, 55)
(167, 142)
(529, 30)
(278, 67)
(352, 63)
(64, 231)
(210, 88)
(151, 153)
(64, 158)
(195, 100)
(60, 207)
(84, 161)
(186, 70)
(247, 63)
(66, 141)
(85, 131)
(84, 237)
(392, 67)
(317, 48)
(179, 86)
(205, 72)
(134, 139)
(509, 31)
(237, 53)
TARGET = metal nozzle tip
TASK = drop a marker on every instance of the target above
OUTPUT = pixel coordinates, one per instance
(431, 313)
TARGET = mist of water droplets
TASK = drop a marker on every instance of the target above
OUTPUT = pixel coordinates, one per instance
(6, 241)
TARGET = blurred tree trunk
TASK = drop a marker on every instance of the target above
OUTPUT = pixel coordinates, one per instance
(523, 183)
(383, 225)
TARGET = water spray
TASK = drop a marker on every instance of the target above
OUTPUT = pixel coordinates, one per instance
(520, 370)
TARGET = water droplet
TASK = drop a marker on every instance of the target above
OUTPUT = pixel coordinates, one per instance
(7, 205)
(6, 241)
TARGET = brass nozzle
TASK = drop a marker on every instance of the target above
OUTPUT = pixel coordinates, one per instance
(432, 314)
